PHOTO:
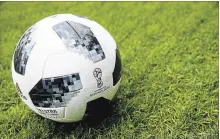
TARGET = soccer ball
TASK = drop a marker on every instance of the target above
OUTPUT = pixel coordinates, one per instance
(63, 65)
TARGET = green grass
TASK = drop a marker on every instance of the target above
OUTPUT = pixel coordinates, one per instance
(170, 83)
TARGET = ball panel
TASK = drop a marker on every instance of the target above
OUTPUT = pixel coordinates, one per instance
(80, 39)
(56, 91)
(117, 69)
(96, 108)
(23, 50)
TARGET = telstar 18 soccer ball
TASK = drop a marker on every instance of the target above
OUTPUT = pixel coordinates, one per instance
(64, 63)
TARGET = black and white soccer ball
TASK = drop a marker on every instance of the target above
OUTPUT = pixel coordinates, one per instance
(62, 64)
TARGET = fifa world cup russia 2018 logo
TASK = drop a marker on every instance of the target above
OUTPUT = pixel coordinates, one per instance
(98, 76)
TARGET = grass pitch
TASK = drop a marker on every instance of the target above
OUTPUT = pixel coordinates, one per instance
(170, 83)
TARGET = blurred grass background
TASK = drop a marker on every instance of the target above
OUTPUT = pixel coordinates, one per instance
(170, 83)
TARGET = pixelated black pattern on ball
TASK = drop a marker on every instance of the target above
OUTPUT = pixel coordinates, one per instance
(23, 51)
(79, 38)
(118, 67)
(56, 92)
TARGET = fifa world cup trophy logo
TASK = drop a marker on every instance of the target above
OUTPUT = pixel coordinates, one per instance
(98, 76)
